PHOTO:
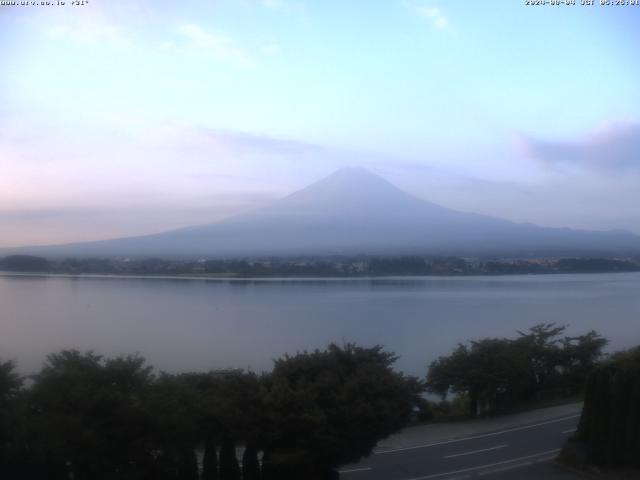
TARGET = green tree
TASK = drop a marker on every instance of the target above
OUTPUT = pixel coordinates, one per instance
(10, 389)
(250, 464)
(229, 468)
(89, 414)
(210, 459)
(580, 355)
(188, 465)
(327, 408)
(499, 373)
(489, 372)
(609, 427)
(541, 346)
(173, 404)
(231, 404)
(10, 381)
(24, 263)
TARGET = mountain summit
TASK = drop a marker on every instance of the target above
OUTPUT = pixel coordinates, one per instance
(352, 185)
(355, 211)
(352, 191)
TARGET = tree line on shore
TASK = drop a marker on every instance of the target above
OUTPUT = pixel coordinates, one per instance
(115, 418)
(361, 265)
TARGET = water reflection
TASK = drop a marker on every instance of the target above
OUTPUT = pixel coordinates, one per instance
(214, 323)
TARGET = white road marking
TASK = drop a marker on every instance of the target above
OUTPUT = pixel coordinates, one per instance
(571, 430)
(354, 470)
(481, 467)
(515, 429)
(513, 466)
(476, 451)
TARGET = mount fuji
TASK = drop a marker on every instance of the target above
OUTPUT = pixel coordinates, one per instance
(354, 211)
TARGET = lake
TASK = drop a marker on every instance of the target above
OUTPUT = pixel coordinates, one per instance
(197, 324)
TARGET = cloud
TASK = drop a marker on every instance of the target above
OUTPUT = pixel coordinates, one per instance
(271, 49)
(220, 46)
(163, 176)
(64, 222)
(289, 6)
(435, 15)
(240, 142)
(614, 147)
(272, 3)
(169, 175)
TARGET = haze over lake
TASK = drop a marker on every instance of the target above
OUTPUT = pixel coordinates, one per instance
(211, 324)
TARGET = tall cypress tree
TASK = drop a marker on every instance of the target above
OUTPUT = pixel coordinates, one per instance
(229, 468)
(610, 423)
(250, 464)
(210, 460)
(188, 465)
(267, 471)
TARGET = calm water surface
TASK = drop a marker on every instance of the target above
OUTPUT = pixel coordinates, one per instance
(198, 324)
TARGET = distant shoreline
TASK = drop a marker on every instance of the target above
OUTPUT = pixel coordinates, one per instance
(315, 267)
(268, 278)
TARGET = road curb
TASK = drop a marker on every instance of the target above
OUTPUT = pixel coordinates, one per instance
(454, 438)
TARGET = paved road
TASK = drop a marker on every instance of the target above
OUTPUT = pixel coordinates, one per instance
(492, 454)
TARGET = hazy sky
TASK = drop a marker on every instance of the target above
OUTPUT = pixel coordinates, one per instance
(128, 117)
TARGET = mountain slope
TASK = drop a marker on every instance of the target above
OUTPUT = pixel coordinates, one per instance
(355, 211)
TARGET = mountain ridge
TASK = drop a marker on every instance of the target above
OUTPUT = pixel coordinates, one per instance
(353, 211)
